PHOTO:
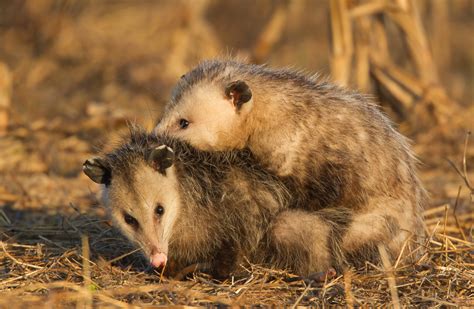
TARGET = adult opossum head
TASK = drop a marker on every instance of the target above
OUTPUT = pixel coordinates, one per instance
(140, 192)
(209, 107)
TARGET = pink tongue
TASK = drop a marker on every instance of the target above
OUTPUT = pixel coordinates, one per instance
(158, 260)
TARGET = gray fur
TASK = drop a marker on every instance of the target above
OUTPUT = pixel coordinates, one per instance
(232, 204)
(332, 147)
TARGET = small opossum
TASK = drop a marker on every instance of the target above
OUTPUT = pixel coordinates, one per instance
(332, 147)
(212, 208)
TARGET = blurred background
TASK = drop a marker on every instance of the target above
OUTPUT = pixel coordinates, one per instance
(72, 73)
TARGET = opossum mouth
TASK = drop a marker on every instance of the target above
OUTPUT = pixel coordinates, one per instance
(158, 260)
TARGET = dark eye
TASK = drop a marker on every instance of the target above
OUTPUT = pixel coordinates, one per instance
(130, 220)
(183, 123)
(159, 210)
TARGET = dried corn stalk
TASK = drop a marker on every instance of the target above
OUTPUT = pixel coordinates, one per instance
(360, 54)
(5, 96)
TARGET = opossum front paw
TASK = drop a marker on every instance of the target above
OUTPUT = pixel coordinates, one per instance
(227, 260)
(321, 277)
(188, 271)
(315, 278)
(221, 271)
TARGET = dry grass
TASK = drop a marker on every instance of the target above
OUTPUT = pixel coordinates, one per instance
(51, 264)
(80, 260)
(364, 47)
(72, 72)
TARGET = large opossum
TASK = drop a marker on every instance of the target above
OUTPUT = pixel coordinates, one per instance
(189, 206)
(331, 146)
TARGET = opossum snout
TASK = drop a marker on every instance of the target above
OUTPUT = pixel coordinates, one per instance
(158, 259)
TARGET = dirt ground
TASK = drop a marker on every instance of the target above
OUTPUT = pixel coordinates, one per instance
(81, 71)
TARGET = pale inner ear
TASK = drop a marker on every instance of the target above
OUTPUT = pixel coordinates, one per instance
(235, 95)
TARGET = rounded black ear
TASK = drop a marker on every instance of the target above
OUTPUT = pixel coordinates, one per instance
(96, 169)
(161, 158)
(239, 92)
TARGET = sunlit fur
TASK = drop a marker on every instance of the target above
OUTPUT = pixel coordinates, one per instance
(220, 208)
(332, 147)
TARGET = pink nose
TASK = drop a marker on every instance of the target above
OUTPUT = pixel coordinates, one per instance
(158, 260)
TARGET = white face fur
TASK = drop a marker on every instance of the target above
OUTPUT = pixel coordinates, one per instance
(207, 119)
(145, 209)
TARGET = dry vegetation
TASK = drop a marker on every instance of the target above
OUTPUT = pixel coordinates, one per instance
(73, 72)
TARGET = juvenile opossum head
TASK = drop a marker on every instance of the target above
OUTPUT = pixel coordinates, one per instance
(209, 109)
(141, 195)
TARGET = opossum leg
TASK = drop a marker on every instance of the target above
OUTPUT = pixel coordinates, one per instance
(229, 256)
(389, 221)
(299, 242)
(189, 270)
